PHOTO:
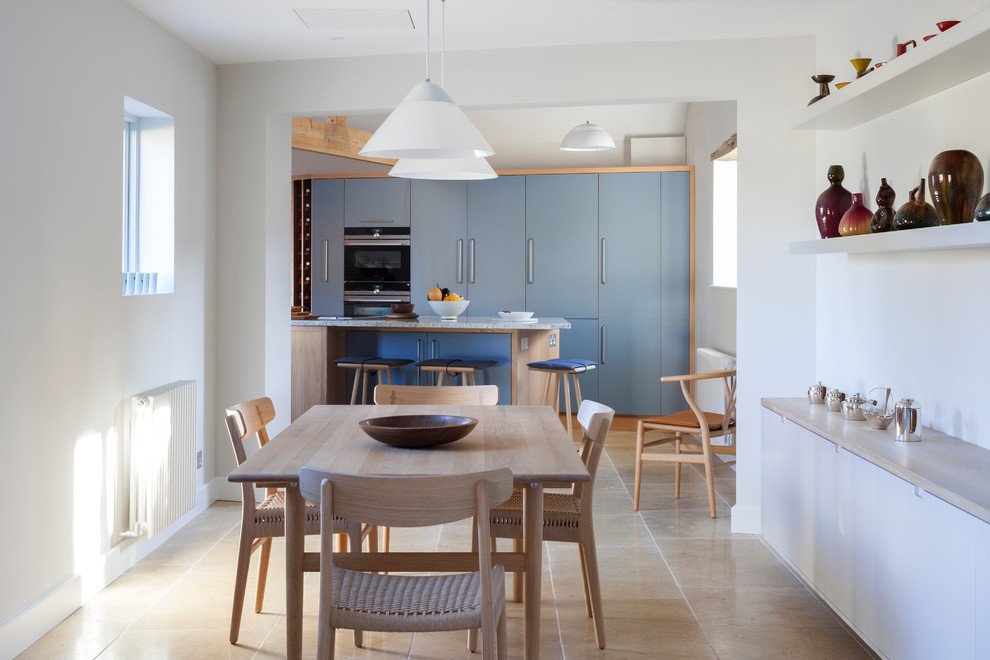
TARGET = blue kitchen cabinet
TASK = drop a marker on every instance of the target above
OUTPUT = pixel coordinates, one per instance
(418, 346)
(629, 370)
(675, 343)
(629, 245)
(327, 252)
(376, 202)
(562, 245)
(494, 257)
(438, 239)
(675, 245)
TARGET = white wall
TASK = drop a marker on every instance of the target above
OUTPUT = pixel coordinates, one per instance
(775, 182)
(72, 347)
(708, 126)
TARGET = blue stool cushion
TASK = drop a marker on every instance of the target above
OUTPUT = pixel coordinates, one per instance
(448, 363)
(378, 361)
(576, 365)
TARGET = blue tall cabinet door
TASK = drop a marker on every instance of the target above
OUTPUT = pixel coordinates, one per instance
(327, 252)
(495, 253)
(675, 246)
(438, 239)
(562, 245)
(629, 245)
(376, 202)
(629, 373)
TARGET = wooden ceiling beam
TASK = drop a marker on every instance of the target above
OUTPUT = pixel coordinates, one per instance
(333, 137)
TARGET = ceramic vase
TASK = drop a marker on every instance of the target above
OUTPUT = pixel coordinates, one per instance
(832, 203)
(857, 219)
(916, 213)
(883, 219)
(983, 208)
(956, 181)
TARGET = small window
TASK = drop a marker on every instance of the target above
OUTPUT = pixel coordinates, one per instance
(148, 254)
(724, 216)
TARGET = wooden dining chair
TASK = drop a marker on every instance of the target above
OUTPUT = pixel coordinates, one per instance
(467, 395)
(354, 595)
(693, 423)
(260, 523)
(567, 516)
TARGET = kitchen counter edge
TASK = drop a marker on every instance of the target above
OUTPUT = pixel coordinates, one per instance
(431, 322)
(949, 468)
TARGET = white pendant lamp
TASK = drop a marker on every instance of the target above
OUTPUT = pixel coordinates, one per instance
(427, 124)
(587, 137)
(443, 169)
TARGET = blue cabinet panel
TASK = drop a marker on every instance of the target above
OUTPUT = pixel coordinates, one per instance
(562, 245)
(629, 249)
(374, 202)
(675, 245)
(327, 252)
(437, 239)
(674, 360)
(495, 253)
(629, 376)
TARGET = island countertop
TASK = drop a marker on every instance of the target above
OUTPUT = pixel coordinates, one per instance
(463, 323)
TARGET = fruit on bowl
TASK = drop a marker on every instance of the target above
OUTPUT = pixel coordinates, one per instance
(437, 293)
(448, 310)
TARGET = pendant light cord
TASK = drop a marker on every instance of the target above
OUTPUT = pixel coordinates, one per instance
(443, 36)
(427, 40)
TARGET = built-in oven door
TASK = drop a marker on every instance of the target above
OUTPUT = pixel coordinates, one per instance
(371, 305)
(379, 261)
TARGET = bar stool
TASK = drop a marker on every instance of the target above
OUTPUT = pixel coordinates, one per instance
(554, 368)
(365, 366)
(448, 368)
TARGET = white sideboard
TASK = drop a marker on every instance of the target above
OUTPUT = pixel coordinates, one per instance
(856, 515)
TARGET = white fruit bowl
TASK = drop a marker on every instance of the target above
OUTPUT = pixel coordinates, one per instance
(448, 310)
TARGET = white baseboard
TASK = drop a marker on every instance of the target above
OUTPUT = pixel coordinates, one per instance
(30, 624)
(746, 520)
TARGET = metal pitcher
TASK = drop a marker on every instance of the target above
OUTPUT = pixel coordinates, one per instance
(907, 422)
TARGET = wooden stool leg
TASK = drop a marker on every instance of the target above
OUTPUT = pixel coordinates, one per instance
(567, 405)
(388, 375)
(364, 386)
(471, 374)
(577, 390)
(354, 390)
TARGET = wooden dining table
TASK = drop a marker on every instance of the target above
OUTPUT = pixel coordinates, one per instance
(529, 440)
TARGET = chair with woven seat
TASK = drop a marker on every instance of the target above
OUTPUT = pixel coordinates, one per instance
(556, 367)
(469, 395)
(568, 516)
(363, 366)
(448, 368)
(261, 522)
(354, 595)
(695, 422)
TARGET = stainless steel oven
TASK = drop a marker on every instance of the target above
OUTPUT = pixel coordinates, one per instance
(376, 269)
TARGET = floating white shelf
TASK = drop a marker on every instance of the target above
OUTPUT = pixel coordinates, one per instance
(953, 57)
(949, 237)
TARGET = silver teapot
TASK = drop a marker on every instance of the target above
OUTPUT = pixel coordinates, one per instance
(816, 393)
(834, 399)
(856, 407)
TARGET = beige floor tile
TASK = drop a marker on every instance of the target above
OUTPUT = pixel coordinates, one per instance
(636, 573)
(74, 639)
(735, 562)
(758, 606)
(154, 644)
(687, 525)
(784, 643)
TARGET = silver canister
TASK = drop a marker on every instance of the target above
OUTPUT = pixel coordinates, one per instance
(816, 393)
(907, 421)
(834, 400)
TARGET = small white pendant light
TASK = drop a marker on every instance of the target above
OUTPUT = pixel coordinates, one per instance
(427, 124)
(443, 169)
(587, 137)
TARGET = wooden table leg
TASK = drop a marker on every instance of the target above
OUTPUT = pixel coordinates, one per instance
(533, 547)
(295, 519)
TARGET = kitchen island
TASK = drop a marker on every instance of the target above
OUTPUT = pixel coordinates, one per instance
(317, 342)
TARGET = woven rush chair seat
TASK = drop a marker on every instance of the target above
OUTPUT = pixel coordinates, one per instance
(269, 517)
(561, 517)
(412, 603)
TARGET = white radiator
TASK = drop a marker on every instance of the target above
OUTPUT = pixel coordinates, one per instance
(162, 448)
(710, 394)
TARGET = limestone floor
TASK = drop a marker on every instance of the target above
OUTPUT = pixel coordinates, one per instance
(676, 584)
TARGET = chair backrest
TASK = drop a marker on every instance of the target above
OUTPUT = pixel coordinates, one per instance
(252, 417)
(596, 419)
(406, 501)
(728, 377)
(470, 395)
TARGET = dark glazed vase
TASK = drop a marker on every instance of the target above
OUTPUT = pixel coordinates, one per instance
(857, 219)
(956, 182)
(916, 213)
(832, 204)
(883, 219)
(983, 208)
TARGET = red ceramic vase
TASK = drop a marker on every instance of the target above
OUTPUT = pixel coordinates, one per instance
(857, 219)
(832, 204)
(955, 180)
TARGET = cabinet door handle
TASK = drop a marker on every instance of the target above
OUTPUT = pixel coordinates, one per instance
(326, 261)
(604, 343)
(436, 349)
(377, 222)
(603, 260)
(420, 350)
(460, 260)
(471, 257)
(529, 261)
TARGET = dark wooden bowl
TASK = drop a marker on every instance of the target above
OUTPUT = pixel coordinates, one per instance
(418, 430)
(402, 308)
